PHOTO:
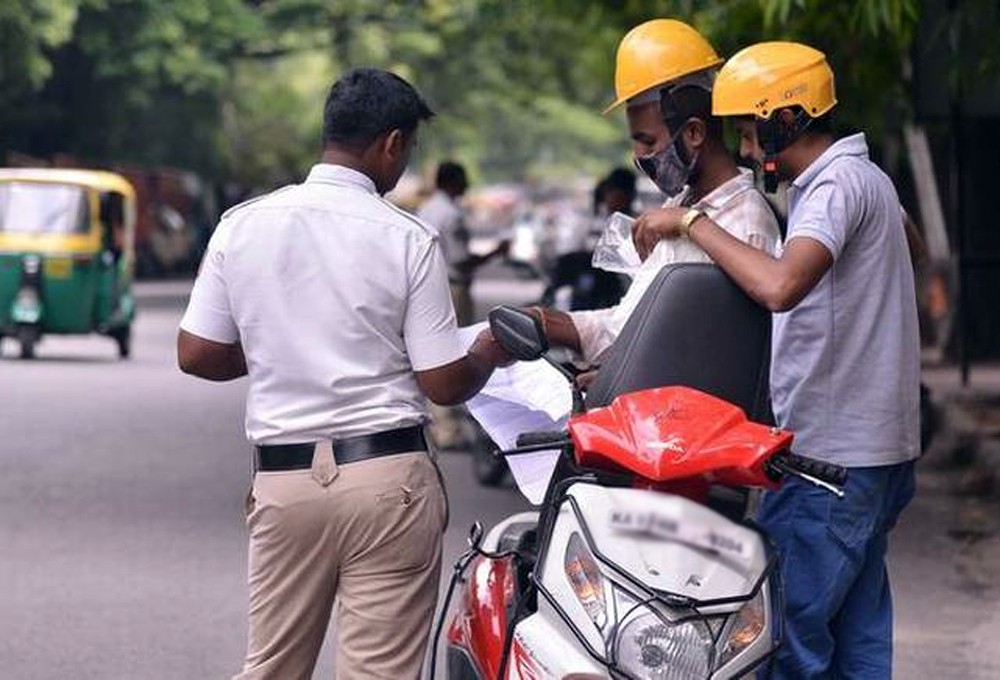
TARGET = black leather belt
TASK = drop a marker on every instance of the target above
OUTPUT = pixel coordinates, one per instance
(278, 457)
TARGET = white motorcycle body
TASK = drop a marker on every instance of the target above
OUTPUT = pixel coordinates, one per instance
(642, 584)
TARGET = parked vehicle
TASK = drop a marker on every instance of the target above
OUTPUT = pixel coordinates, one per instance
(640, 562)
(66, 255)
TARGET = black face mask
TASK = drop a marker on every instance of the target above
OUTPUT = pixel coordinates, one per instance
(666, 168)
(776, 135)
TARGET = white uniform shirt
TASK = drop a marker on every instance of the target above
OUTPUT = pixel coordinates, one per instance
(443, 213)
(845, 368)
(735, 205)
(337, 297)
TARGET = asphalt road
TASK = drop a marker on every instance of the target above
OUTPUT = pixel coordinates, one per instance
(122, 547)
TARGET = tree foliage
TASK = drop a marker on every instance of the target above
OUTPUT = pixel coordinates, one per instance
(234, 88)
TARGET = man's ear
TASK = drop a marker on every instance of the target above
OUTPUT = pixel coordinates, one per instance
(786, 119)
(695, 133)
(394, 143)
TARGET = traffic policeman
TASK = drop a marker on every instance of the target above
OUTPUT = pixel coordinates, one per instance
(336, 306)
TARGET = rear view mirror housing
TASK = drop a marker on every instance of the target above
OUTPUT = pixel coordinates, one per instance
(519, 333)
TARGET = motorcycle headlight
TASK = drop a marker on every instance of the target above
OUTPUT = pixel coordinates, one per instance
(586, 580)
(651, 648)
(743, 629)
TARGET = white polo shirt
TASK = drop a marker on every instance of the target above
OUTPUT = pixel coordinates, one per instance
(735, 205)
(443, 213)
(337, 297)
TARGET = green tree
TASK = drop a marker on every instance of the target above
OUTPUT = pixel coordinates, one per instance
(233, 88)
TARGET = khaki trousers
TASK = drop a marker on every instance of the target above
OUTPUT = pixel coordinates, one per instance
(365, 537)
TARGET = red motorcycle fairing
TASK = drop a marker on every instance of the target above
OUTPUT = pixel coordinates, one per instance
(480, 624)
(677, 433)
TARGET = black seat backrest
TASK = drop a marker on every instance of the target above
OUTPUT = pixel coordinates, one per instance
(693, 327)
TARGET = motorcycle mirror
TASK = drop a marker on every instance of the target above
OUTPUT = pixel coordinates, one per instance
(475, 534)
(519, 333)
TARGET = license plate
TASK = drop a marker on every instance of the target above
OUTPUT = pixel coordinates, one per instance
(58, 267)
(666, 527)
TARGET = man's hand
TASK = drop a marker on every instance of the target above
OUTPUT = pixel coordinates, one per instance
(460, 380)
(486, 349)
(652, 226)
(558, 327)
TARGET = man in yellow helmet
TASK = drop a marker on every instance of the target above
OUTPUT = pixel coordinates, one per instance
(664, 71)
(845, 363)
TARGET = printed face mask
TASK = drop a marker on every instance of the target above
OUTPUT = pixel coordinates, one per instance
(666, 168)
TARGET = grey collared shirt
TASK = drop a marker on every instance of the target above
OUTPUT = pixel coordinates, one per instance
(845, 367)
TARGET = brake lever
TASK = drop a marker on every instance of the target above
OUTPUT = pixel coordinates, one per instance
(532, 448)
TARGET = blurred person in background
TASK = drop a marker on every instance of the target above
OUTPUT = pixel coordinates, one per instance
(588, 286)
(619, 192)
(664, 72)
(444, 212)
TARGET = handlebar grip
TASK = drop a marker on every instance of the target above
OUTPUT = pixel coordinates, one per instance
(827, 472)
(537, 438)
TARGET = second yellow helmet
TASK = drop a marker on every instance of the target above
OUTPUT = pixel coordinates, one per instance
(768, 76)
(657, 52)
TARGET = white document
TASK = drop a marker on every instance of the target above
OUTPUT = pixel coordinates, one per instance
(524, 397)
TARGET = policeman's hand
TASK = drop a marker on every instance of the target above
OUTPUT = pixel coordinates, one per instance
(650, 227)
(502, 249)
(486, 348)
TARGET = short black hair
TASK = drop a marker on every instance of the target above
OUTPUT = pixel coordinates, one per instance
(367, 102)
(450, 174)
(622, 179)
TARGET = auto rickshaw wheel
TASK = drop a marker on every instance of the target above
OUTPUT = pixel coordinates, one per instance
(28, 337)
(27, 348)
(124, 339)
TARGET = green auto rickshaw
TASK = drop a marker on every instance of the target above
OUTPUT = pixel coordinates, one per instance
(66, 255)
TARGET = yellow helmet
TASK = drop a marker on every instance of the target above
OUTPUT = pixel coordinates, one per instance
(657, 52)
(767, 76)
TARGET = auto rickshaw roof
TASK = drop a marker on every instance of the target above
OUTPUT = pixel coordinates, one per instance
(101, 180)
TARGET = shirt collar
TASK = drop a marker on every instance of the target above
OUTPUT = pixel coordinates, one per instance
(854, 145)
(328, 173)
(726, 191)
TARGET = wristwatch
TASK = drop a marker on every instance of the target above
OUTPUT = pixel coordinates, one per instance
(688, 219)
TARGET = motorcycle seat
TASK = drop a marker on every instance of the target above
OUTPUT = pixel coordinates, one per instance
(695, 327)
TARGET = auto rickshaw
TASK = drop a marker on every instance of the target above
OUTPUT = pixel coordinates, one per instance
(66, 255)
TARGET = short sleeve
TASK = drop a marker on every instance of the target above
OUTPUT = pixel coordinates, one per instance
(826, 214)
(208, 312)
(429, 329)
(761, 224)
(594, 328)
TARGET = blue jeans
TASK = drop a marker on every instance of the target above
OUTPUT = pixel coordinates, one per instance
(838, 608)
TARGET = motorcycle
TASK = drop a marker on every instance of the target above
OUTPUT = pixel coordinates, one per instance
(629, 569)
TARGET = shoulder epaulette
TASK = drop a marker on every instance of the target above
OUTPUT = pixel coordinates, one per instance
(255, 199)
(410, 217)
